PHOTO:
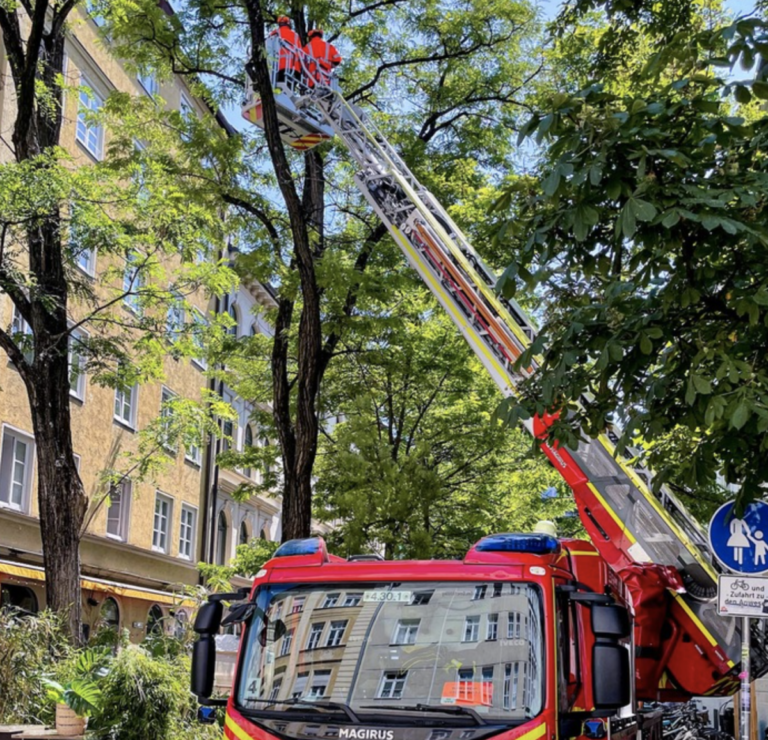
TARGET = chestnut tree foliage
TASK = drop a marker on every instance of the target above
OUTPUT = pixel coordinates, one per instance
(644, 231)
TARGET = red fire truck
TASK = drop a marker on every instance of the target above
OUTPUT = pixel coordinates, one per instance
(528, 636)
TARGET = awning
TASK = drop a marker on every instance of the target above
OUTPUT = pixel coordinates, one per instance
(35, 573)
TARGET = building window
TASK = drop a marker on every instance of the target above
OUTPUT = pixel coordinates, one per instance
(497, 589)
(162, 522)
(192, 453)
(506, 685)
(299, 685)
(187, 530)
(174, 321)
(125, 405)
(405, 632)
(336, 633)
(275, 688)
(298, 605)
(149, 82)
(330, 601)
(466, 678)
(167, 413)
(23, 338)
(85, 257)
(421, 598)
(198, 337)
(513, 625)
(392, 684)
(18, 597)
(492, 627)
(119, 510)
(471, 629)
(352, 599)
(247, 444)
(479, 592)
(487, 686)
(90, 133)
(93, 12)
(233, 330)
(16, 461)
(133, 282)
(244, 537)
(76, 346)
(285, 646)
(314, 635)
(109, 614)
(155, 620)
(319, 684)
(221, 539)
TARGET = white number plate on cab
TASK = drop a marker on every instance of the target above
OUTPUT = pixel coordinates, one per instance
(400, 597)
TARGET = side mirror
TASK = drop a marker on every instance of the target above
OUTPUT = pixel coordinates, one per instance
(207, 624)
(611, 676)
(610, 621)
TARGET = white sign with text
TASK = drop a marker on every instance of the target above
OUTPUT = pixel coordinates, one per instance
(742, 596)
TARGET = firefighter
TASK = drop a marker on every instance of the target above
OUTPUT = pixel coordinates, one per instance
(288, 64)
(326, 55)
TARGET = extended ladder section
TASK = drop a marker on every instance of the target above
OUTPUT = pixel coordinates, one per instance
(684, 647)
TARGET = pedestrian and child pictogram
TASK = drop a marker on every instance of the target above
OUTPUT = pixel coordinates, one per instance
(739, 543)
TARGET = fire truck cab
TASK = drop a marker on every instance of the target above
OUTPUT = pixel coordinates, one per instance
(527, 637)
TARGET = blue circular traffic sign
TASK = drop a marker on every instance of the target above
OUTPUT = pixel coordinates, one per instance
(741, 543)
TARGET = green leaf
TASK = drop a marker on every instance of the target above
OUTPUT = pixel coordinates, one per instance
(760, 89)
(742, 94)
(740, 415)
(702, 385)
(671, 218)
(644, 211)
(646, 345)
(628, 222)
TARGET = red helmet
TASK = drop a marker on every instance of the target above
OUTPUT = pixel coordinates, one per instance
(283, 20)
(315, 32)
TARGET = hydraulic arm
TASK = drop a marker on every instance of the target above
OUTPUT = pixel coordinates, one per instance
(684, 647)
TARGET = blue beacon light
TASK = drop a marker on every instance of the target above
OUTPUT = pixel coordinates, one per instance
(310, 546)
(533, 544)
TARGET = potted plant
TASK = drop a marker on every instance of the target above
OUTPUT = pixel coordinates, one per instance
(79, 695)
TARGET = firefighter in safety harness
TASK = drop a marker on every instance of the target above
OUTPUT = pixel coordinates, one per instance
(325, 57)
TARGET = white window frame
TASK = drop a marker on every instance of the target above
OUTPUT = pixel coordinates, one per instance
(465, 678)
(89, 136)
(148, 83)
(157, 534)
(28, 471)
(313, 638)
(120, 396)
(78, 391)
(353, 599)
(492, 627)
(336, 632)
(471, 631)
(175, 317)
(90, 269)
(392, 685)
(406, 631)
(19, 325)
(322, 687)
(166, 394)
(190, 542)
(193, 453)
(133, 280)
(285, 645)
(125, 512)
(331, 600)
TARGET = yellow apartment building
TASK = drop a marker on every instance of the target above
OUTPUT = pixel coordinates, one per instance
(146, 543)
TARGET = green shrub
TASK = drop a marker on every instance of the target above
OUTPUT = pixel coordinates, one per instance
(144, 697)
(31, 648)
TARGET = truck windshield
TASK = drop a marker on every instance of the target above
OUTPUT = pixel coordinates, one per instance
(384, 648)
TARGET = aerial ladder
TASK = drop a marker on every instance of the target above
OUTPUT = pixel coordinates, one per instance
(683, 647)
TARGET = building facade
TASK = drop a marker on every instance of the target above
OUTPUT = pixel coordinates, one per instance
(144, 541)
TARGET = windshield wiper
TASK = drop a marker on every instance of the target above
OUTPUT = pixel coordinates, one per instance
(447, 709)
(310, 703)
